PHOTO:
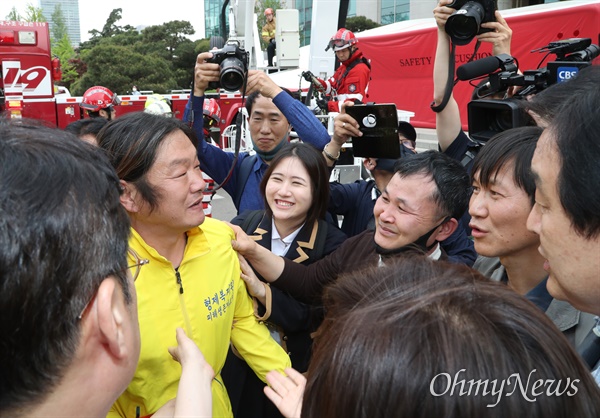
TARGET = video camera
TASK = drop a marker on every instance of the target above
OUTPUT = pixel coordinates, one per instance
(233, 61)
(487, 117)
(465, 23)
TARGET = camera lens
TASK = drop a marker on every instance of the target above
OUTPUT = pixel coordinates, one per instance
(232, 74)
(463, 25)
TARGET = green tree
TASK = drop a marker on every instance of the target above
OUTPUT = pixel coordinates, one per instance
(14, 15)
(109, 29)
(65, 52)
(34, 14)
(360, 23)
(172, 34)
(119, 67)
(59, 28)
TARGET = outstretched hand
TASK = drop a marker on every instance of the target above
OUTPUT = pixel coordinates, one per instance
(187, 354)
(286, 392)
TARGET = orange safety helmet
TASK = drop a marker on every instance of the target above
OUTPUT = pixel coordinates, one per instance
(97, 98)
(268, 11)
(342, 39)
(211, 111)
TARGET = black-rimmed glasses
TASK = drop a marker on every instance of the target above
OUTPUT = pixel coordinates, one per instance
(134, 268)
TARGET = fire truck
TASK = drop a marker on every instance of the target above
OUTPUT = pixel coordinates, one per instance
(29, 73)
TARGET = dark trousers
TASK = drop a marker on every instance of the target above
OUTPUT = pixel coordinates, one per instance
(271, 53)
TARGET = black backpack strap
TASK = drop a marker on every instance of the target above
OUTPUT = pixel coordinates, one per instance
(242, 178)
(353, 64)
(251, 221)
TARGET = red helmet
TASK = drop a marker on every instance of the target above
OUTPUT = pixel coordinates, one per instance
(268, 11)
(97, 98)
(212, 111)
(342, 39)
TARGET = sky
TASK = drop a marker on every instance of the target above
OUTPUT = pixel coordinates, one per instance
(93, 13)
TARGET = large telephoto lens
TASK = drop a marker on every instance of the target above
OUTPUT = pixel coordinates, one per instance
(463, 24)
(232, 74)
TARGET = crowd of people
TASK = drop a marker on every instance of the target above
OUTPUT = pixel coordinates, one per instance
(463, 281)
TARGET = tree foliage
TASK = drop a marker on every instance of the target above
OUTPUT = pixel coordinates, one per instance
(14, 15)
(360, 23)
(34, 14)
(59, 27)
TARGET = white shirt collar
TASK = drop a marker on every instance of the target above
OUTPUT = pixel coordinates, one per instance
(280, 246)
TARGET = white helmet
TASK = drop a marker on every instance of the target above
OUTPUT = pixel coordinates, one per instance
(159, 107)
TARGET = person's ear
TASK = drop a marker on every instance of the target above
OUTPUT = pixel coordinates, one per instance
(112, 312)
(370, 163)
(446, 229)
(129, 197)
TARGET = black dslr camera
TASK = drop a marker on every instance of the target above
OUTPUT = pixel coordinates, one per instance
(465, 23)
(234, 66)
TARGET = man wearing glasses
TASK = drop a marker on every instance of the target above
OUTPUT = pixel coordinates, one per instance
(193, 279)
(68, 309)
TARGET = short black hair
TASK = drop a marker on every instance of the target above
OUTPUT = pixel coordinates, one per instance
(576, 127)
(86, 126)
(450, 177)
(515, 146)
(63, 230)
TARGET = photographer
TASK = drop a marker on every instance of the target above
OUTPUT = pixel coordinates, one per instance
(452, 140)
(272, 112)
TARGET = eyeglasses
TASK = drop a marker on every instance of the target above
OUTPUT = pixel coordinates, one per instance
(338, 43)
(137, 264)
(134, 268)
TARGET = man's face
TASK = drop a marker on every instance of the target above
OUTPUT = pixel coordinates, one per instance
(177, 179)
(573, 262)
(269, 17)
(405, 211)
(268, 126)
(499, 214)
(343, 54)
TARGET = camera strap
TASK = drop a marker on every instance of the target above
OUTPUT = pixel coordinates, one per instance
(451, 82)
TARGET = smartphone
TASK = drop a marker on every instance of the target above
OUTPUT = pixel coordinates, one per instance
(379, 125)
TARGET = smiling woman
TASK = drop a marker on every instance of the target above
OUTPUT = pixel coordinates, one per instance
(295, 189)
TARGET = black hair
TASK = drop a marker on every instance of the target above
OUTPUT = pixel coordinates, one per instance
(132, 141)
(453, 188)
(318, 172)
(88, 126)
(420, 338)
(63, 230)
(514, 146)
(254, 95)
(576, 127)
